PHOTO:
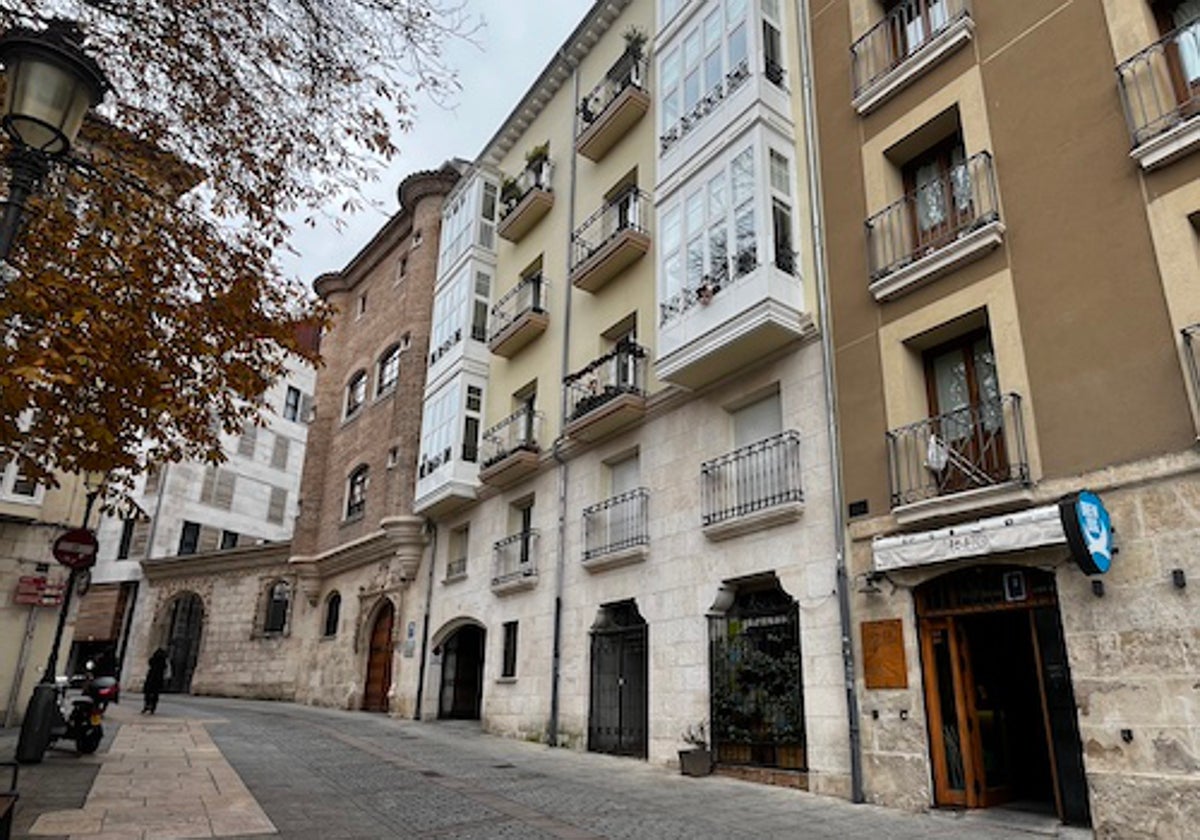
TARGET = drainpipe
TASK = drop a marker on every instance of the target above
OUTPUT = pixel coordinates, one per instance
(827, 357)
(431, 527)
(560, 561)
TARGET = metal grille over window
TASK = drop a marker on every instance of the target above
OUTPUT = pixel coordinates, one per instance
(756, 477)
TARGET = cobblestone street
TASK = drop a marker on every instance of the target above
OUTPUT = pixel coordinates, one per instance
(319, 773)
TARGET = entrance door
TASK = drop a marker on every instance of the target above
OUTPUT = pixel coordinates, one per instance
(617, 714)
(1002, 725)
(462, 674)
(185, 625)
(379, 661)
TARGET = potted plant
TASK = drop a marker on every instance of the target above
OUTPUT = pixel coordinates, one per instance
(635, 43)
(510, 193)
(696, 760)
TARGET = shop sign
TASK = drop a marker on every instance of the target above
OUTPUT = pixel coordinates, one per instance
(1089, 532)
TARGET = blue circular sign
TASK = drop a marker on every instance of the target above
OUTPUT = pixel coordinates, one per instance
(1089, 532)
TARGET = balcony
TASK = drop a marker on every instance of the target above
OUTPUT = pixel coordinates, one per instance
(754, 487)
(612, 239)
(968, 459)
(518, 317)
(607, 395)
(446, 484)
(514, 565)
(738, 313)
(510, 448)
(1160, 91)
(910, 40)
(616, 532)
(710, 102)
(938, 227)
(456, 569)
(524, 200)
(612, 108)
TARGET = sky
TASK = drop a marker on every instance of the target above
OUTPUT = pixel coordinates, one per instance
(517, 41)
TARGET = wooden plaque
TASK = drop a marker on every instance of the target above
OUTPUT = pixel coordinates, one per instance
(883, 654)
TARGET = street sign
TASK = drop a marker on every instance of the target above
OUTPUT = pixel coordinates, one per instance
(76, 549)
(37, 591)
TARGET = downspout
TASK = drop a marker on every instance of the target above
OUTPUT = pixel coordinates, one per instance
(563, 467)
(431, 526)
(827, 356)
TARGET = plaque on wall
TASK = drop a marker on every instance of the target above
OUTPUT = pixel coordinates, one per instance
(883, 654)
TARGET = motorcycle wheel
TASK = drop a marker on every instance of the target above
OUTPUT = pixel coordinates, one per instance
(89, 740)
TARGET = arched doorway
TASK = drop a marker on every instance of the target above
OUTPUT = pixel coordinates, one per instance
(617, 711)
(1001, 709)
(379, 660)
(462, 674)
(757, 684)
(182, 631)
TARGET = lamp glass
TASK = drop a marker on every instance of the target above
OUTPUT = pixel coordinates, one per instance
(45, 103)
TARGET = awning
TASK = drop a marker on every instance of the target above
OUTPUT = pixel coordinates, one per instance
(995, 535)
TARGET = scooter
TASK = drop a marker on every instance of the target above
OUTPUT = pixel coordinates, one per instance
(83, 723)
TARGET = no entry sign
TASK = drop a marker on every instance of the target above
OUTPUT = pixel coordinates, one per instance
(76, 549)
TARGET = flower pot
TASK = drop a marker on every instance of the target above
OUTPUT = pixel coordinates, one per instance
(695, 762)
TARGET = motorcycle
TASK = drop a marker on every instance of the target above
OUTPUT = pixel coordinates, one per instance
(83, 722)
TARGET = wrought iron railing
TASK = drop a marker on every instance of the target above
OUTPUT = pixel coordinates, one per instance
(1191, 335)
(1160, 86)
(527, 296)
(445, 347)
(456, 568)
(626, 72)
(933, 215)
(708, 103)
(981, 445)
(622, 370)
(514, 557)
(513, 190)
(756, 477)
(629, 210)
(430, 462)
(699, 292)
(616, 524)
(902, 33)
(774, 72)
(518, 431)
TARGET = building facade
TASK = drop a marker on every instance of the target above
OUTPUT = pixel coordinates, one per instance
(1012, 261)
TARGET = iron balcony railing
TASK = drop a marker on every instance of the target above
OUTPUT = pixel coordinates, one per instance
(1191, 335)
(980, 445)
(902, 33)
(620, 371)
(431, 462)
(723, 275)
(514, 557)
(456, 567)
(616, 524)
(626, 72)
(756, 477)
(708, 103)
(933, 215)
(518, 431)
(629, 210)
(513, 190)
(445, 347)
(1160, 86)
(527, 296)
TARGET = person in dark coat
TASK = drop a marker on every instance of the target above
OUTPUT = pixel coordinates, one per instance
(155, 676)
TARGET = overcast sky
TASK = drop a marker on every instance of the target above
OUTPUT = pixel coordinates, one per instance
(517, 42)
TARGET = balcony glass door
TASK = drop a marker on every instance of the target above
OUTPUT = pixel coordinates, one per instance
(1183, 49)
(938, 184)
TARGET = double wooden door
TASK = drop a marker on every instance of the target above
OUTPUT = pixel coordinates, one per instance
(379, 661)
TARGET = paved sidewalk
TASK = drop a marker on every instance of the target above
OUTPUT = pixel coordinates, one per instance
(161, 777)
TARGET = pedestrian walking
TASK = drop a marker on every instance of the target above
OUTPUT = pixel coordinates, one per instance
(155, 676)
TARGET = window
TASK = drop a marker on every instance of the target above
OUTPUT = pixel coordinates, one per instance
(470, 445)
(229, 539)
(279, 596)
(127, 526)
(388, 370)
(916, 22)
(938, 184)
(524, 516)
(402, 268)
(277, 505)
(438, 428)
(356, 492)
(460, 539)
(362, 306)
(279, 453)
(772, 43)
(23, 485)
(479, 316)
(217, 489)
(333, 610)
(1183, 18)
(247, 441)
(509, 668)
(291, 404)
(757, 421)
(356, 393)
(449, 316)
(189, 538)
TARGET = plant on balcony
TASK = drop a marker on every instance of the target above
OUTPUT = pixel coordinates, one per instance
(510, 193)
(635, 43)
(536, 156)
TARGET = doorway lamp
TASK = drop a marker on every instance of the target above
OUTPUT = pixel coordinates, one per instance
(50, 85)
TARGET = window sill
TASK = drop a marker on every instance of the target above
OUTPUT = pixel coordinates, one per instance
(327, 638)
(1169, 146)
(448, 579)
(347, 419)
(350, 520)
(383, 395)
(506, 680)
(882, 89)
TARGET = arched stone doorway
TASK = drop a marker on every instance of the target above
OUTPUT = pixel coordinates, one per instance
(461, 691)
(1001, 708)
(182, 631)
(379, 659)
(619, 697)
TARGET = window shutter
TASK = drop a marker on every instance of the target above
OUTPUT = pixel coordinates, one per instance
(209, 539)
(206, 489)
(306, 408)
(247, 440)
(152, 480)
(223, 494)
(139, 542)
(278, 503)
(279, 455)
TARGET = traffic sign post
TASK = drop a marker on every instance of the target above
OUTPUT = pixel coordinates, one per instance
(76, 549)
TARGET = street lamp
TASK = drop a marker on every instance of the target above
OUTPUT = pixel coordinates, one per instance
(51, 83)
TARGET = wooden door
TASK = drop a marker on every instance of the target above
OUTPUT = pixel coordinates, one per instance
(938, 184)
(949, 736)
(379, 661)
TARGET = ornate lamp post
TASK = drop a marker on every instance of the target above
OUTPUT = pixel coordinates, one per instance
(51, 84)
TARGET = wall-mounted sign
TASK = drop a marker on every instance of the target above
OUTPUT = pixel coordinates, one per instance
(1088, 529)
(884, 665)
(37, 591)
